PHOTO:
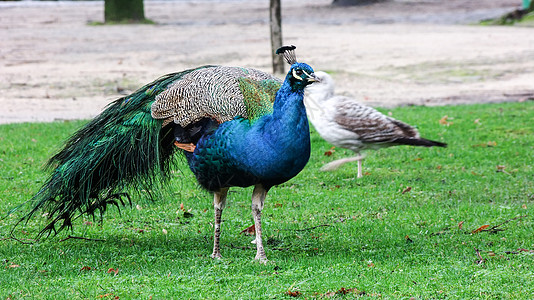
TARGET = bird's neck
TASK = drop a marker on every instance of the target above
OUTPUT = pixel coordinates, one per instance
(285, 137)
(289, 123)
(289, 110)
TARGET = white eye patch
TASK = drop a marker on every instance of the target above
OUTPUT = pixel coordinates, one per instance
(295, 75)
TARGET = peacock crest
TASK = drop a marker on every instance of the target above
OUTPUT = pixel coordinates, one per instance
(289, 54)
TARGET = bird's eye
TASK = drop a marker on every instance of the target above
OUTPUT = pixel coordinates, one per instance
(298, 72)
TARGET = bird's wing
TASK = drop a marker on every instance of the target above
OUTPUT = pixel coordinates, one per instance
(369, 124)
(258, 96)
(408, 131)
(211, 92)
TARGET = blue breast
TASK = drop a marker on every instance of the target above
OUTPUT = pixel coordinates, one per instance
(271, 151)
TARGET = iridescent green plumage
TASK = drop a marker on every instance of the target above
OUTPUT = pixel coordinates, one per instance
(258, 96)
(120, 148)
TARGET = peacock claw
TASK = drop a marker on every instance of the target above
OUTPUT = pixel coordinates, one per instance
(216, 256)
(261, 260)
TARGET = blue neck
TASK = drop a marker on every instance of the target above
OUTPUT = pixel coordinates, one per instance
(289, 112)
(285, 136)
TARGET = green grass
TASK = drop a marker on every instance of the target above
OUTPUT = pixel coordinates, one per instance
(512, 19)
(378, 240)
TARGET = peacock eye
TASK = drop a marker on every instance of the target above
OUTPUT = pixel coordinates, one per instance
(298, 72)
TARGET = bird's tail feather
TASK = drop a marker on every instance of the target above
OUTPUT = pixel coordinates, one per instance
(122, 147)
(419, 142)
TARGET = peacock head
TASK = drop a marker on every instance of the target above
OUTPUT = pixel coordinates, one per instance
(300, 75)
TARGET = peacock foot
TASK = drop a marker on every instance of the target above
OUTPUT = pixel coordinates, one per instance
(261, 259)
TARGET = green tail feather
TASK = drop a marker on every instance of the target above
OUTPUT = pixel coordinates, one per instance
(122, 147)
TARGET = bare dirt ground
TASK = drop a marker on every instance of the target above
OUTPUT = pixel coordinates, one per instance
(54, 65)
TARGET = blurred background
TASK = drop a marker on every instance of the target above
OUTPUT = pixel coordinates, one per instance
(64, 60)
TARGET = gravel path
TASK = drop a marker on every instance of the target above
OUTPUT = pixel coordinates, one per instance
(54, 66)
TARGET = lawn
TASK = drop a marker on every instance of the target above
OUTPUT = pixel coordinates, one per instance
(427, 223)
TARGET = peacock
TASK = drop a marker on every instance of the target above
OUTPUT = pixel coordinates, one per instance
(236, 127)
(348, 124)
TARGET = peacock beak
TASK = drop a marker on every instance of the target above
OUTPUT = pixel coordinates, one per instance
(312, 79)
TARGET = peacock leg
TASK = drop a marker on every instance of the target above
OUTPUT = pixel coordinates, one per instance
(258, 198)
(219, 201)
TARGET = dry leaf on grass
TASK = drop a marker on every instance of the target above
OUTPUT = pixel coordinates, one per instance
(330, 152)
(293, 293)
(251, 230)
(479, 229)
(111, 270)
(501, 168)
(445, 121)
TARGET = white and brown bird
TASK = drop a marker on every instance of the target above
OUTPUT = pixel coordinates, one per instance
(345, 123)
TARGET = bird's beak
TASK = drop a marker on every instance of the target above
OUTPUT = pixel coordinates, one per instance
(313, 78)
